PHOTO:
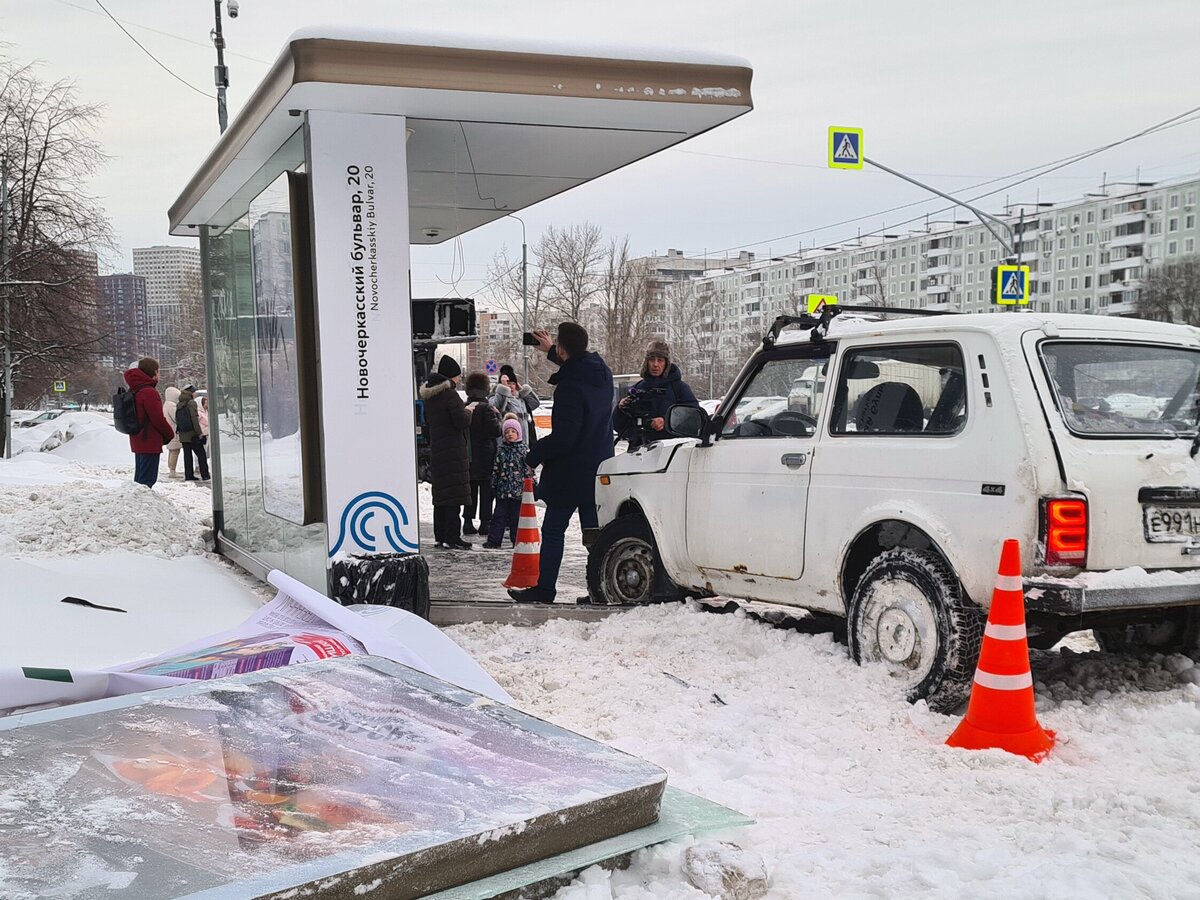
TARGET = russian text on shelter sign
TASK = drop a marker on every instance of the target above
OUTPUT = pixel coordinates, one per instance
(845, 147)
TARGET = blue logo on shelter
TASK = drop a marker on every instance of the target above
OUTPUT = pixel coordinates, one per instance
(356, 525)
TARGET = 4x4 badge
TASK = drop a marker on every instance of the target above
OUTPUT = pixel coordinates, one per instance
(992, 490)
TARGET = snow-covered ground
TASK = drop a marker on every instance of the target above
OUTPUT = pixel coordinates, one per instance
(854, 792)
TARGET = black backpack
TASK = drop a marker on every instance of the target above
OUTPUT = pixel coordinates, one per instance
(183, 419)
(125, 416)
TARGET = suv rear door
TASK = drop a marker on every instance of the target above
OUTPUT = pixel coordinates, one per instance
(1122, 409)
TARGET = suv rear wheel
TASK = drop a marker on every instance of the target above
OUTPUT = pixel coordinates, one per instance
(909, 614)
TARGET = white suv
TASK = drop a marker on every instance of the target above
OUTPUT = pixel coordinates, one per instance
(872, 468)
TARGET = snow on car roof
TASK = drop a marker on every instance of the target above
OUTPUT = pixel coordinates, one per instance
(853, 324)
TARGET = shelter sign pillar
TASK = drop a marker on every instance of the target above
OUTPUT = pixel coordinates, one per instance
(359, 179)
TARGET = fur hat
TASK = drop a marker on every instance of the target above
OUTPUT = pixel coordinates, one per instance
(661, 349)
(512, 423)
(477, 382)
(509, 371)
(449, 367)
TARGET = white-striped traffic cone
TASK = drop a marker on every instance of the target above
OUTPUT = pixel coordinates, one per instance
(1001, 712)
(528, 553)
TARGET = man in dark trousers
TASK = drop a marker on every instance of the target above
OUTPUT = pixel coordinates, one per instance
(147, 444)
(580, 439)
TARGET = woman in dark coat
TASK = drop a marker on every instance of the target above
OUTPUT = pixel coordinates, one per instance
(187, 412)
(485, 429)
(448, 420)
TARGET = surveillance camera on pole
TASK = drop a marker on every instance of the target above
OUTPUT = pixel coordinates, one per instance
(220, 70)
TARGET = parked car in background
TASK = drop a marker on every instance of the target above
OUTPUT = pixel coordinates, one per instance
(882, 491)
(48, 415)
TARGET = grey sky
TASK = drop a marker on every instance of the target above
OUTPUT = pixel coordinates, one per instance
(958, 90)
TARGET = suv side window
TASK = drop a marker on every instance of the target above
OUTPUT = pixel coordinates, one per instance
(782, 399)
(901, 389)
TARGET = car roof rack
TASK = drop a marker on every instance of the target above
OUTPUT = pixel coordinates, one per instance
(818, 323)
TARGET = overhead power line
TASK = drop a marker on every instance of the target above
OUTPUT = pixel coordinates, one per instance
(158, 61)
(168, 34)
(1038, 171)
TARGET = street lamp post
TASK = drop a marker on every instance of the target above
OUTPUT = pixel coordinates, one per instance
(221, 71)
(524, 299)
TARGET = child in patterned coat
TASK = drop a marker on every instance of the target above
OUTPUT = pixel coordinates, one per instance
(508, 482)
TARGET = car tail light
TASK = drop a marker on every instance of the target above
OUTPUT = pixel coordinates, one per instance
(1066, 530)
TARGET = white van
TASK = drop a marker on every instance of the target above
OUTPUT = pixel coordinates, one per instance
(907, 451)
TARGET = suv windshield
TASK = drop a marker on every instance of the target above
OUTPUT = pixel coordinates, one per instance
(1120, 390)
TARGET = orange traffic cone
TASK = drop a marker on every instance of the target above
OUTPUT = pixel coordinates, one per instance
(1001, 712)
(528, 554)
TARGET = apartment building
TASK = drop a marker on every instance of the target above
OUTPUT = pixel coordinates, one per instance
(172, 275)
(1085, 256)
(121, 315)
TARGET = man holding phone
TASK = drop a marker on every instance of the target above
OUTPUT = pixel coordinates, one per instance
(579, 440)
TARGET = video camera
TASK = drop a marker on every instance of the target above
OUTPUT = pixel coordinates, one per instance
(642, 406)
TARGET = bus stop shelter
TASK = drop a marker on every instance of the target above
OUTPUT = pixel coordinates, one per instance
(356, 145)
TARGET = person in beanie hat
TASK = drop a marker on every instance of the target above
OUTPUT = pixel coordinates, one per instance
(448, 421)
(485, 430)
(187, 422)
(641, 416)
(519, 399)
(580, 439)
(508, 482)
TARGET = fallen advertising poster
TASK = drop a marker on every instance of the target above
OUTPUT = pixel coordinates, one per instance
(299, 625)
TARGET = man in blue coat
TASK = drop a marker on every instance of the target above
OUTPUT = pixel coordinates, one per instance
(580, 439)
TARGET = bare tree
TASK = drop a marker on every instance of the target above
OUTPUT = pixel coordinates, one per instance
(503, 295)
(48, 150)
(1171, 293)
(572, 262)
(185, 342)
(624, 308)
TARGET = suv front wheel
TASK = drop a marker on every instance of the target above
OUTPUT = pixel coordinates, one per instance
(623, 565)
(909, 614)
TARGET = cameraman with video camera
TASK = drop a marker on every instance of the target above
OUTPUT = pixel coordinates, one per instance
(641, 417)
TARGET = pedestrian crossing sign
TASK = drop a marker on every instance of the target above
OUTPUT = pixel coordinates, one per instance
(816, 302)
(1012, 285)
(60, 387)
(845, 147)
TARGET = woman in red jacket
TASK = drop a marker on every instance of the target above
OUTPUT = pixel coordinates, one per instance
(147, 444)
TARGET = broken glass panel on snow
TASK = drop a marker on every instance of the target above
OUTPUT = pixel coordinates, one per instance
(344, 772)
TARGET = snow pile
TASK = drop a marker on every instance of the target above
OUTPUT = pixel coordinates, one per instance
(852, 788)
(88, 517)
(102, 445)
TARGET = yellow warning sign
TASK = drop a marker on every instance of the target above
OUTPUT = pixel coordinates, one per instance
(817, 301)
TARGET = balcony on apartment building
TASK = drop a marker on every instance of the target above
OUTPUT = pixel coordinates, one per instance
(1125, 213)
(1128, 240)
(934, 287)
(1132, 257)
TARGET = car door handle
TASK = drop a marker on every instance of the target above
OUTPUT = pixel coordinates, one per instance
(792, 460)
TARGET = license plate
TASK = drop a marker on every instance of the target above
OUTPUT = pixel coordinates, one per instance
(1171, 524)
